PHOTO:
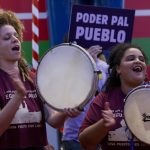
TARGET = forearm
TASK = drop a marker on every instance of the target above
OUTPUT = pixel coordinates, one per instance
(54, 118)
(57, 120)
(93, 135)
(8, 112)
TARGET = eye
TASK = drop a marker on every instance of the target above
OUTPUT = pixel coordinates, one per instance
(141, 58)
(130, 58)
(6, 37)
(16, 35)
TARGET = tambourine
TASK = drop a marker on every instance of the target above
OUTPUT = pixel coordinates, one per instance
(66, 77)
(137, 112)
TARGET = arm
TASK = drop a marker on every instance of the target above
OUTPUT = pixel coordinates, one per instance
(57, 118)
(94, 134)
(53, 117)
(8, 112)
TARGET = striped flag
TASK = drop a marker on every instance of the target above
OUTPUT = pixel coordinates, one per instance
(35, 34)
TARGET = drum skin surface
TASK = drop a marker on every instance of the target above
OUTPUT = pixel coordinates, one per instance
(66, 77)
(137, 113)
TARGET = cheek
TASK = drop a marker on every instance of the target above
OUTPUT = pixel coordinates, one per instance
(3, 53)
(123, 69)
(4, 49)
(4, 46)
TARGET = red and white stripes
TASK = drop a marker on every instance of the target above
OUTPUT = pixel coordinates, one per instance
(35, 34)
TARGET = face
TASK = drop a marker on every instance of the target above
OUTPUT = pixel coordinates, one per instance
(132, 68)
(9, 44)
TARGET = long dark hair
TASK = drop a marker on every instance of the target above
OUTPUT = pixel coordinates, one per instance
(114, 60)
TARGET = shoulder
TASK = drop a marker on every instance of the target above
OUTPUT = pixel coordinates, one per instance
(100, 99)
(102, 65)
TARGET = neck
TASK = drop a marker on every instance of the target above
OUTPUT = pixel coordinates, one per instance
(128, 87)
(9, 67)
(125, 89)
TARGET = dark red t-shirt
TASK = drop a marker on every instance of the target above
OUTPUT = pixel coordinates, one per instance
(119, 137)
(27, 129)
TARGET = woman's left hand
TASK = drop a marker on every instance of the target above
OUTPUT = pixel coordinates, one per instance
(108, 116)
(72, 112)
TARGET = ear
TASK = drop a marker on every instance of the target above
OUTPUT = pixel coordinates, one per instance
(118, 69)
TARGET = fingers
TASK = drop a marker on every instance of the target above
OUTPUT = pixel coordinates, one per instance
(95, 50)
(19, 87)
(49, 147)
(72, 112)
(107, 114)
(95, 47)
(80, 108)
(106, 106)
(18, 84)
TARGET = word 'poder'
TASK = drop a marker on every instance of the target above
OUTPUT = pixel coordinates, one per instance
(101, 34)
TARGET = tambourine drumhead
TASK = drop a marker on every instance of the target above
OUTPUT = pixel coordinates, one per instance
(66, 76)
(137, 113)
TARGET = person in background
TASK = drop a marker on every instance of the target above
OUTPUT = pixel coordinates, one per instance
(101, 64)
(22, 112)
(71, 127)
(49, 147)
(104, 122)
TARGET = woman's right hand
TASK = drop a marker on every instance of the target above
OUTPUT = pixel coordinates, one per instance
(20, 89)
(18, 84)
(94, 51)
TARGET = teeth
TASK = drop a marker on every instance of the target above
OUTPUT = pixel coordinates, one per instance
(137, 69)
(16, 48)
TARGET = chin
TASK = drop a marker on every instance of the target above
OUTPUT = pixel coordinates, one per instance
(139, 82)
(139, 78)
(16, 59)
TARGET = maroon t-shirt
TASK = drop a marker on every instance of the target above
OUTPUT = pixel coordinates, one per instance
(119, 137)
(27, 129)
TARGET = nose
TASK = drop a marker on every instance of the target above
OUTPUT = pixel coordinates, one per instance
(137, 60)
(14, 39)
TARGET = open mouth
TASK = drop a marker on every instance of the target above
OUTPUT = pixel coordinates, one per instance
(16, 48)
(137, 69)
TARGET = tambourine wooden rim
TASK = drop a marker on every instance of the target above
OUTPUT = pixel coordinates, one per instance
(134, 116)
(94, 82)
